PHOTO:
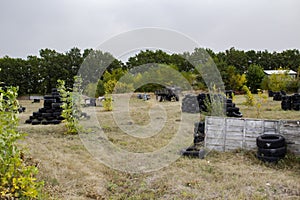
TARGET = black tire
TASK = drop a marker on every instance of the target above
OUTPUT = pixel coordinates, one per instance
(232, 109)
(42, 110)
(228, 101)
(48, 97)
(50, 118)
(84, 115)
(55, 121)
(268, 159)
(60, 118)
(270, 141)
(49, 101)
(199, 127)
(56, 114)
(36, 114)
(56, 105)
(279, 152)
(296, 106)
(49, 111)
(236, 114)
(45, 122)
(230, 105)
(285, 105)
(199, 139)
(45, 115)
(35, 122)
(36, 101)
(271, 94)
(28, 121)
(190, 153)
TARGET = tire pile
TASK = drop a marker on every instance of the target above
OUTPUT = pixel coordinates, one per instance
(291, 102)
(199, 132)
(167, 94)
(190, 104)
(271, 147)
(194, 104)
(277, 96)
(50, 113)
(199, 135)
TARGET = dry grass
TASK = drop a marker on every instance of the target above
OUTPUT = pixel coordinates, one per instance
(70, 172)
(270, 109)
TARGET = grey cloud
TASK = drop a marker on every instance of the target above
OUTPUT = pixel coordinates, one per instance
(28, 26)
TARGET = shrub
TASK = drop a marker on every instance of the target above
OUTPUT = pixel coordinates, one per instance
(109, 88)
(17, 180)
(278, 82)
(250, 101)
(71, 105)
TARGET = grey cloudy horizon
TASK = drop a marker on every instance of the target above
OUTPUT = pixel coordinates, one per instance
(31, 25)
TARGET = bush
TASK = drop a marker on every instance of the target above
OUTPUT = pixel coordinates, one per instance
(17, 180)
(293, 86)
(250, 101)
(71, 105)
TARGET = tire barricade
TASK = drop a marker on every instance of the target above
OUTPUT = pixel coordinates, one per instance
(271, 147)
(277, 96)
(194, 104)
(199, 135)
(50, 113)
(291, 102)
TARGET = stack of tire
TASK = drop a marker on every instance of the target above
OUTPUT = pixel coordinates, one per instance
(190, 104)
(194, 151)
(199, 132)
(296, 102)
(229, 93)
(50, 113)
(286, 103)
(271, 147)
(195, 104)
(232, 110)
(270, 93)
(291, 102)
(277, 96)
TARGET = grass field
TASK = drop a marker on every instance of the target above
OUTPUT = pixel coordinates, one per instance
(71, 172)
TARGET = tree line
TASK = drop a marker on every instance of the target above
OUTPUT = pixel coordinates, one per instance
(38, 74)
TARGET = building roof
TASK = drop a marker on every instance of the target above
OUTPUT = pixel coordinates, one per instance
(290, 72)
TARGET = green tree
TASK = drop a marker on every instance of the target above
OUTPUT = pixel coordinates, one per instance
(278, 82)
(254, 76)
(233, 80)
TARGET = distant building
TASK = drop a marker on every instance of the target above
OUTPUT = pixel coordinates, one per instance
(292, 73)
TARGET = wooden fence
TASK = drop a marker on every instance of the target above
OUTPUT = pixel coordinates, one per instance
(224, 134)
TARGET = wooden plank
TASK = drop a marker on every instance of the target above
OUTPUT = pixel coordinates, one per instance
(235, 122)
(215, 134)
(237, 137)
(235, 129)
(230, 133)
(233, 143)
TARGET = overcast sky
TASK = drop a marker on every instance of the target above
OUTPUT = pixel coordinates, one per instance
(26, 26)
